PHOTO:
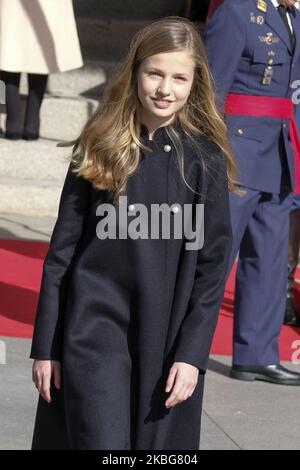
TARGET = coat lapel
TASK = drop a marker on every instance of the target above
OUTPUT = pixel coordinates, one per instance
(295, 19)
(274, 21)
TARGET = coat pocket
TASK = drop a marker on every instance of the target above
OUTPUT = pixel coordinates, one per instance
(251, 132)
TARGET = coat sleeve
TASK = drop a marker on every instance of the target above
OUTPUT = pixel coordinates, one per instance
(72, 212)
(197, 329)
(224, 39)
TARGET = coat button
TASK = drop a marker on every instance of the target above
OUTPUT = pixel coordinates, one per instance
(131, 207)
(175, 209)
(240, 131)
(167, 148)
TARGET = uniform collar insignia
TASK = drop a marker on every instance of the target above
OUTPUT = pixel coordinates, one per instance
(262, 5)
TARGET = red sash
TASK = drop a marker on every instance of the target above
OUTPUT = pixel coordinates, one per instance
(265, 106)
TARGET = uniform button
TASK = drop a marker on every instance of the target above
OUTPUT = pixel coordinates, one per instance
(175, 209)
(133, 145)
(167, 148)
(131, 208)
(284, 125)
(240, 131)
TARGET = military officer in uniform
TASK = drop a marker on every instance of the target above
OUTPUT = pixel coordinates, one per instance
(253, 47)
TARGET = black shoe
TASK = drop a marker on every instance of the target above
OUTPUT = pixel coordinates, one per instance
(13, 135)
(30, 136)
(291, 316)
(273, 373)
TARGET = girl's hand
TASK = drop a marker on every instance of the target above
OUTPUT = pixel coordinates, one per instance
(182, 380)
(41, 375)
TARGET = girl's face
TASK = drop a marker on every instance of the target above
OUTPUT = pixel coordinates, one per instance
(164, 84)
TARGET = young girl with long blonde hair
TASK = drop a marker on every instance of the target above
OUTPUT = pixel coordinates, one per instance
(135, 272)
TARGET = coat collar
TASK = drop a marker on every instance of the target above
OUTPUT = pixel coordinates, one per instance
(160, 135)
(274, 21)
(295, 20)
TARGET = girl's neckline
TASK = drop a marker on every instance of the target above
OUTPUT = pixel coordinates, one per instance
(159, 134)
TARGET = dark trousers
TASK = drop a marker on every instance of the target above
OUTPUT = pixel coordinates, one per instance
(260, 224)
(294, 249)
(36, 85)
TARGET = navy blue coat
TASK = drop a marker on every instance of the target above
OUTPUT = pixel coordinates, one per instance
(238, 54)
(118, 313)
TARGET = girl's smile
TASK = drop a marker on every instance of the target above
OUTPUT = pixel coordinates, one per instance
(161, 104)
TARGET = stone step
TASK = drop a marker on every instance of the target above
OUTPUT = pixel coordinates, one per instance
(31, 176)
(88, 81)
(62, 118)
(32, 200)
(39, 159)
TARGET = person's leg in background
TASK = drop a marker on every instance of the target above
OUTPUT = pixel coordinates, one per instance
(242, 208)
(13, 105)
(292, 315)
(260, 283)
(260, 289)
(36, 88)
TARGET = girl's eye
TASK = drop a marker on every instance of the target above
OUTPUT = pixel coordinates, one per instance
(159, 75)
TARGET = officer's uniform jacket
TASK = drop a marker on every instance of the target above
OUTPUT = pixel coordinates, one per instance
(250, 52)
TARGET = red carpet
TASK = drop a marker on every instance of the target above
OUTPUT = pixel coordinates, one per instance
(20, 277)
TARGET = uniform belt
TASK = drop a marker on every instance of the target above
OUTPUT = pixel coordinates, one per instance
(265, 106)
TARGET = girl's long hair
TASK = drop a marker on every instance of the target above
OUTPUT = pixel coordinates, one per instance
(104, 154)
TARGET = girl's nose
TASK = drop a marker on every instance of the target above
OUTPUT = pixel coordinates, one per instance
(164, 88)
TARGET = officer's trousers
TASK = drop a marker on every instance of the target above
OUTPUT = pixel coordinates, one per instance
(260, 225)
(294, 247)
